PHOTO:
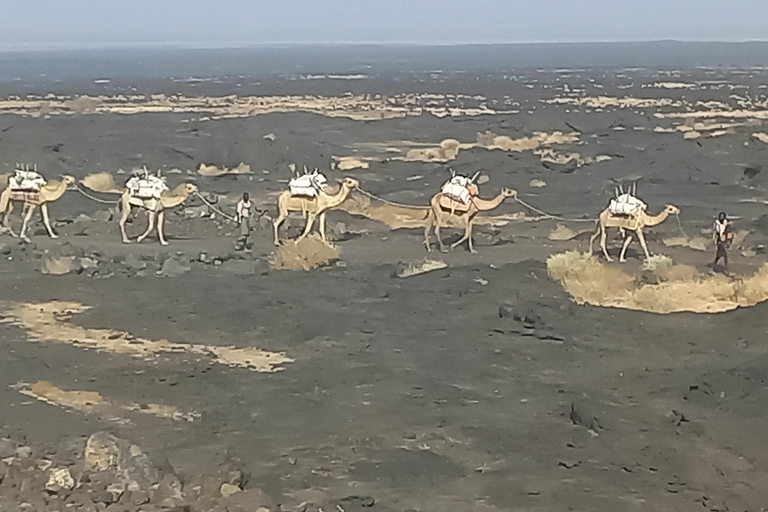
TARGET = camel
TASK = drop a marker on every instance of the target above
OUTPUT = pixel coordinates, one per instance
(446, 210)
(155, 210)
(311, 207)
(629, 224)
(48, 193)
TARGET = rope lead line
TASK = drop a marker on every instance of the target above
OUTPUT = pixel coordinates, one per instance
(214, 208)
(548, 215)
(89, 196)
(392, 203)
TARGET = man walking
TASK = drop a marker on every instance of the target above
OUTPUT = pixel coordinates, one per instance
(723, 236)
(244, 210)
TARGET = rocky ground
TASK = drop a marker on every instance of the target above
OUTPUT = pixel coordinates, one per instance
(198, 377)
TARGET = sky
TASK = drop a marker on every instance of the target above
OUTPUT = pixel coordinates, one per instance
(52, 23)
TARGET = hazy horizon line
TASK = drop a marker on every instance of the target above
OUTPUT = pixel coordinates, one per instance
(187, 45)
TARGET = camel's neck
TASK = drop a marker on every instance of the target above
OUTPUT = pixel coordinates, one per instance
(339, 197)
(488, 204)
(54, 190)
(653, 220)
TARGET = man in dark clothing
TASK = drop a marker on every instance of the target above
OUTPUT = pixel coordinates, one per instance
(723, 236)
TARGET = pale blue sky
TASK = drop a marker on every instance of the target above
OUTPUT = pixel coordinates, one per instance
(40, 23)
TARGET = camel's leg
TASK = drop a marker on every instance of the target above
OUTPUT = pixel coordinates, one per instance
(282, 213)
(603, 236)
(437, 234)
(310, 221)
(467, 236)
(322, 226)
(47, 221)
(641, 239)
(5, 204)
(427, 231)
(27, 216)
(150, 225)
(7, 219)
(124, 218)
(593, 238)
(627, 241)
(160, 225)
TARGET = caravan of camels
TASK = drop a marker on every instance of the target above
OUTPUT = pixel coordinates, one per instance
(457, 204)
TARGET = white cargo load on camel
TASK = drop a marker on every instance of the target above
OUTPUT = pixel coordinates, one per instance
(626, 204)
(145, 187)
(26, 179)
(308, 185)
(458, 187)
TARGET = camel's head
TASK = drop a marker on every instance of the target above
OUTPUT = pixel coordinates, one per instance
(672, 210)
(508, 192)
(350, 182)
(190, 188)
(67, 179)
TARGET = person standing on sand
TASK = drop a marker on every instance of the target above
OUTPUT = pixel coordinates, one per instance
(723, 236)
(244, 209)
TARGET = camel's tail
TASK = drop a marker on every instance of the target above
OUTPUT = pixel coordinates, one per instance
(102, 182)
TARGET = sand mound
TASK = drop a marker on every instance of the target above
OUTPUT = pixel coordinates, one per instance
(102, 182)
(348, 163)
(538, 139)
(447, 151)
(213, 171)
(562, 232)
(305, 255)
(395, 217)
(404, 216)
(678, 288)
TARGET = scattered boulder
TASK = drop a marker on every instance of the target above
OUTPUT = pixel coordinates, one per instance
(61, 266)
(7, 448)
(103, 216)
(228, 490)
(60, 479)
(172, 267)
(537, 183)
(414, 269)
(24, 452)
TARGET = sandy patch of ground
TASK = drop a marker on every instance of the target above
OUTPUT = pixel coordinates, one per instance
(50, 322)
(357, 107)
(612, 101)
(92, 402)
(680, 288)
(448, 149)
(698, 243)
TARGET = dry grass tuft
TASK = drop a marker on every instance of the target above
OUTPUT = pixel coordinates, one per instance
(309, 253)
(679, 288)
(658, 262)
